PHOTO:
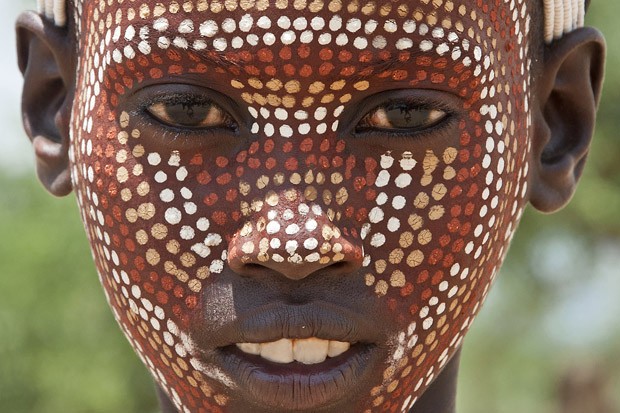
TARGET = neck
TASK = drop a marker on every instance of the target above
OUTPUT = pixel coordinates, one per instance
(440, 397)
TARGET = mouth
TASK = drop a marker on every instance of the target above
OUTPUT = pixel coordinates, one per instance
(299, 358)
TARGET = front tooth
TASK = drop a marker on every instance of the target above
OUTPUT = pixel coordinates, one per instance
(280, 351)
(250, 348)
(336, 348)
(310, 350)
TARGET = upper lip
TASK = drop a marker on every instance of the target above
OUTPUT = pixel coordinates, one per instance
(278, 320)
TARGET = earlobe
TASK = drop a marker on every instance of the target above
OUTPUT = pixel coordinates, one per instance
(564, 113)
(45, 59)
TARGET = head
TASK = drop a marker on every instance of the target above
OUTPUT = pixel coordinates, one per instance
(302, 204)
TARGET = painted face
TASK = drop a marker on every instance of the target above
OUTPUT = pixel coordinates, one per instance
(299, 204)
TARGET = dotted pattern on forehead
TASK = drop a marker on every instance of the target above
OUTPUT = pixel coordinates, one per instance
(561, 16)
(429, 222)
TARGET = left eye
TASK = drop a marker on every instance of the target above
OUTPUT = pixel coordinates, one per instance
(191, 114)
(401, 116)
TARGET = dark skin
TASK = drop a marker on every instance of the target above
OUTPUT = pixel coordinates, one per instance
(567, 92)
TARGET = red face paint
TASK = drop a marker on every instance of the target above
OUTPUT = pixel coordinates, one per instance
(309, 181)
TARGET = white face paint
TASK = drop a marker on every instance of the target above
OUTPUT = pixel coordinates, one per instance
(252, 173)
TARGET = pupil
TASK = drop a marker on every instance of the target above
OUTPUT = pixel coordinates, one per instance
(403, 116)
(188, 114)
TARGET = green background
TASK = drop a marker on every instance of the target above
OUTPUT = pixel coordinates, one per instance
(548, 333)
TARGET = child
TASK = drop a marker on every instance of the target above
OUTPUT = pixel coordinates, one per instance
(300, 205)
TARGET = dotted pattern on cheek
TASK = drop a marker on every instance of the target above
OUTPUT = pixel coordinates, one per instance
(429, 223)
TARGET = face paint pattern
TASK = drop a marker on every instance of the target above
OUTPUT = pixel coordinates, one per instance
(423, 220)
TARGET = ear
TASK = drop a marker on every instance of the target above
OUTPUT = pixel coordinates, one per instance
(46, 60)
(566, 97)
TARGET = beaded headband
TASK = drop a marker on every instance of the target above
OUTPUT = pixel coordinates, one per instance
(561, 16)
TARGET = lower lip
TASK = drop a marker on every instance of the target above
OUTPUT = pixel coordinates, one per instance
(297, 386)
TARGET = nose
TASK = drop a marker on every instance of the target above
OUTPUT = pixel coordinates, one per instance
(295, 241)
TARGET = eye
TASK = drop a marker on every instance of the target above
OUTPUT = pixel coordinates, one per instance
(191, 113)
(401, 116)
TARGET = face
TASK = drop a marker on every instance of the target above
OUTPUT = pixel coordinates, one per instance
(294, 204)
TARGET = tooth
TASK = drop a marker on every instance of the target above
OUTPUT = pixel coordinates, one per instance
(310, 350)
(280, 351)
(250, 348)
(336, 348)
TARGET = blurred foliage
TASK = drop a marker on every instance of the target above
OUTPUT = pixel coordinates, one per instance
(61, 351)
(60, 348)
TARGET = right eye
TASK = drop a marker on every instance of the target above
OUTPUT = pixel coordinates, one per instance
(191, 113)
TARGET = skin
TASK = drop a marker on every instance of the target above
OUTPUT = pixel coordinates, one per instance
(296, 198)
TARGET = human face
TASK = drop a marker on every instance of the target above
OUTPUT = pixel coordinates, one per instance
(294, 177)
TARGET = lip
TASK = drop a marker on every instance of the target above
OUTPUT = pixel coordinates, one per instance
(296, 386)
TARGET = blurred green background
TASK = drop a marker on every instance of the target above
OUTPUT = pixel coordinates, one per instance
(547, 341)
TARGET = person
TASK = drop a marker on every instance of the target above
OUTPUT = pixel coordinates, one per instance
(300, 205)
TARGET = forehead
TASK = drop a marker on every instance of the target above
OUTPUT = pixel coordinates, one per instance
(222, 28)
(295, 53)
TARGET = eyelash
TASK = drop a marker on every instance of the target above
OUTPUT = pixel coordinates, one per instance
(147, 119)
(414, 103)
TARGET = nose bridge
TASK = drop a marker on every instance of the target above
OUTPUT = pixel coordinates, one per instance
(295, 237)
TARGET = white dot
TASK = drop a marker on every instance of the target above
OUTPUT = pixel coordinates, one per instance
(272, 227)
(284, 22)
(246, 22)
(288, 37)
(229, 25)
(354, 25)
(264, 22)
(377, 240)
(286, 131)
(317, 23)
(167, 195)
(370, 26)
(335, 23)
(269, 39)
(393, 224)
(237, 42)
(409, 26)
(426, 45)
(379, 42)
(202, 224)
(399, 202)
(300, 23)
(306, 36)
(186, 26)
(342, 39)
(311, 243)
(390, 26)
(376, 215)
(161, 177)
(304, 128)
(403, 180)
(382, 179)
(173, 216)
(208, 28)
(220, 44)
(160, 25)
(187, 232)
(360, 43)
(325, 39)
